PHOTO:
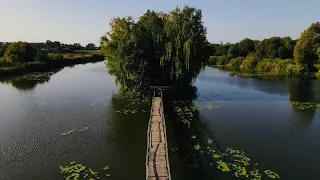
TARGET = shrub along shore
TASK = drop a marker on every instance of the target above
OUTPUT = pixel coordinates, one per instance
(43, 61)
(254, 65)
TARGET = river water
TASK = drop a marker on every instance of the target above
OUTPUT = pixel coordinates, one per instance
(50, 119)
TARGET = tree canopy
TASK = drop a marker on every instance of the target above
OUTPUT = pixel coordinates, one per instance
(19, 53)
(305, 51)
(159, 48)
(91, 46)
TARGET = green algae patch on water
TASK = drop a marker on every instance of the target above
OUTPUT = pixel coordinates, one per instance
(77, 171)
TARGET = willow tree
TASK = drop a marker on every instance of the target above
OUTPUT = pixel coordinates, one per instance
(157, 49)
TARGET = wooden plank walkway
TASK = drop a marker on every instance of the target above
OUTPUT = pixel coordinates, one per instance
(157, 162)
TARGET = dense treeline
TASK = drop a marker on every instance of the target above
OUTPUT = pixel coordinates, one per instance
(157, 49)
(275, 55)
(52, 46)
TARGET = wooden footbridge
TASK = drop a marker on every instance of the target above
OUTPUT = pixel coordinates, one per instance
(157, 161)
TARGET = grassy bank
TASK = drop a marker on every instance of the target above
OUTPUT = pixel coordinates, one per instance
(55, 60)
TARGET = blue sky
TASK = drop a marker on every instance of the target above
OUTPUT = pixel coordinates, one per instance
(84, 21)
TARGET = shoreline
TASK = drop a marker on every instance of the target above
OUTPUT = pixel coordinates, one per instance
(49, 65)
(252, 73)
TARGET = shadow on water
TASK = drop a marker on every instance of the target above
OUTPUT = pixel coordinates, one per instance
(29, 81)
(185, 161)
(301, 92)
(190, 161)
(129, 115)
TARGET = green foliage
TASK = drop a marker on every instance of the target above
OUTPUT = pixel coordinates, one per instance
(250, 62)
(222, 49)
(224, 60)
(160, 48)
(41, 56)
(2, 62)
(234, 51)
(235, 63)
(288, 47)
(19, 53)
(91, 46)
(318, 73)
(185, 111)
(275, 47)
(280, 67)
(305, 52)
(89, 52)
(55, 56)
(213, 60)
(305, 105)
(318, 53)
(272, 174)
(246, 46)
(2, 50)
(271, 65)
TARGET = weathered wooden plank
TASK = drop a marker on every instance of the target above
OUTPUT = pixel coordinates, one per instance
(157, 158)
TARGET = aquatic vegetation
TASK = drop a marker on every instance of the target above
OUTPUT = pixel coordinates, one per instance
(193, 137)
(128, 111)
(185, 111)
(73, 131)
(209, 106)
(223, 166)
(235, 162)
(197, 147)
(78, 171)
(271, 174)
(303, 105)
(255, 174)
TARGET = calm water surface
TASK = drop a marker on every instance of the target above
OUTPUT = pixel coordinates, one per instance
(254, 115)
(33, 117)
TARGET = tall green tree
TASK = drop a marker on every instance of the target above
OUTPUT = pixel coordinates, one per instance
(288, 45)
(2, 50)
(234, 51)
(246, 46)
(160, 48)
(91, 46)
(19, 53)
(306, 47)
(77, 46)
(222, 49)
